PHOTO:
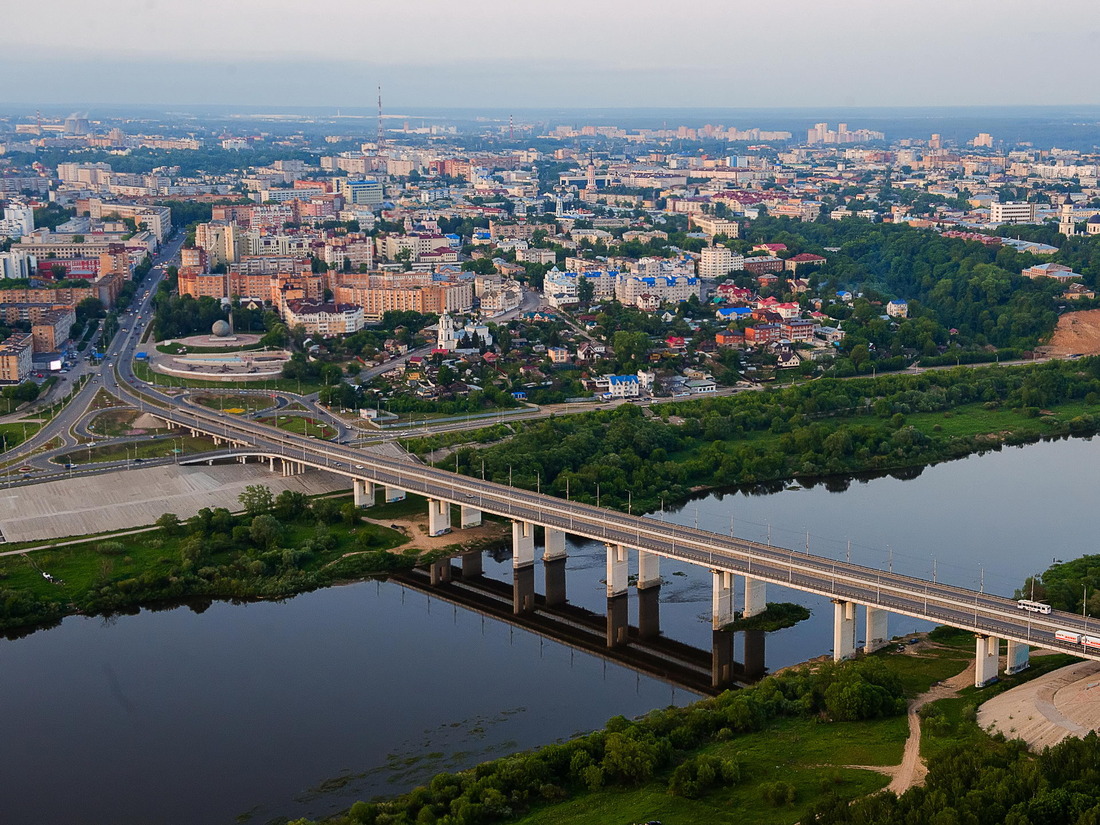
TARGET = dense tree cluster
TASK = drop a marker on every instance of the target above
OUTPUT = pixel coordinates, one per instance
(825, 427)
(999, 783)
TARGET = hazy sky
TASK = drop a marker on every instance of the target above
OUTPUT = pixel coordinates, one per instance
(582, 53)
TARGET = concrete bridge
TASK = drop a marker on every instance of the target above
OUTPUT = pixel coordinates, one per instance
(862, 597)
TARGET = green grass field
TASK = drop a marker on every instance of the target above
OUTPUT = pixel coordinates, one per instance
(248, 402)
(157, 448)
(300, 424)
(144, 372)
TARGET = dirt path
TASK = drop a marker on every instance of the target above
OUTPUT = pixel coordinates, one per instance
(912, 770)
(417, 533)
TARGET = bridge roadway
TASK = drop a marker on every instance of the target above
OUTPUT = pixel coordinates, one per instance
(847, 584)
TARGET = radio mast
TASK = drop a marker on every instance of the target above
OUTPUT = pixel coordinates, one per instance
(380, 138)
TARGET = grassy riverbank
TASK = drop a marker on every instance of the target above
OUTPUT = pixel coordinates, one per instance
(279, 547)
(809, 738)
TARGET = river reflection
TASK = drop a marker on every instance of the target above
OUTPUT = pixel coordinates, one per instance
(299, 708)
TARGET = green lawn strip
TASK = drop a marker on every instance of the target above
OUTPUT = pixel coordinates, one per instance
(150, 448)
(17, 432)
(117, 422)
(300, 424)
(245, 401)
(176, 348)
(145, 373)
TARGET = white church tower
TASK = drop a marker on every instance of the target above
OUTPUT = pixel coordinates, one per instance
(445, 338)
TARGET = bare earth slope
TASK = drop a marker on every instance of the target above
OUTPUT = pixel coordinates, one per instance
(1077, 332)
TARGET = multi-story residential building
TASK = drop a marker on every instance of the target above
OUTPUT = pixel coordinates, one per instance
(16, 358)
(536, 256)
(52, 328)
(323, 317)
(437, 298)
(17, 264)
(1012, 212)
(563, 288)
(649, 292)
(710, 225)
(718, 261)
(157, 219)
(18, 220)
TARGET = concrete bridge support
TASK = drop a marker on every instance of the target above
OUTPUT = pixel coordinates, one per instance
(554, 569)
(523, 589)
(722, 602)
(876, 636)
(722, 663)
(756, 601)
(754, 654)
(553, 544)
(649, 612)
(394, 494)
(363, 492)
(469, 517)
(472, 564)
(1018, 657)
(618, 620)
(523, 544)
(987, 656)
(616, 570)
(844, 630)
(649, 570)
(440, 572)
(439, 517)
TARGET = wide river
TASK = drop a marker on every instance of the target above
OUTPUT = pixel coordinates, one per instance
(251, 712)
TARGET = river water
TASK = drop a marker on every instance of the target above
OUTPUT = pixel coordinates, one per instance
(299, 708)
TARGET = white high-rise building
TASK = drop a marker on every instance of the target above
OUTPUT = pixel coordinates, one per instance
(18, 220)
(718, 261)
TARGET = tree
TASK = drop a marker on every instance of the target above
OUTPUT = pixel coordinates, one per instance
(265, 531)
(169, 523)
(256, 499)
(586, 290)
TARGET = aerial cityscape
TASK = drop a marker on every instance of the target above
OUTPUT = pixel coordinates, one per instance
(477, 435)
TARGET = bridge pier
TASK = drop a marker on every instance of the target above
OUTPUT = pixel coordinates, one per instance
(754, 654)
(553, 544)
(756, 600)
(618, 620)
(472, 564)
(987, 656)
(523, 544)
(875, 637)
(469, 517)
(440, 572)
(554, 570)
(523, 589)
(649, 570)
(616, 570)
(649, 612)
(394, 494)
(363, 492)
(722, 601)
(844, 630)
(722, 664)
(439, 517)
(1019, 655)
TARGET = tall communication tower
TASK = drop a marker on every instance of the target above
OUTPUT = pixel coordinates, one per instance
(380, 138)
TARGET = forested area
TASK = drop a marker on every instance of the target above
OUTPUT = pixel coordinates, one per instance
(826, 427)
(949, 283)
(1073, 586)
(999, 783)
